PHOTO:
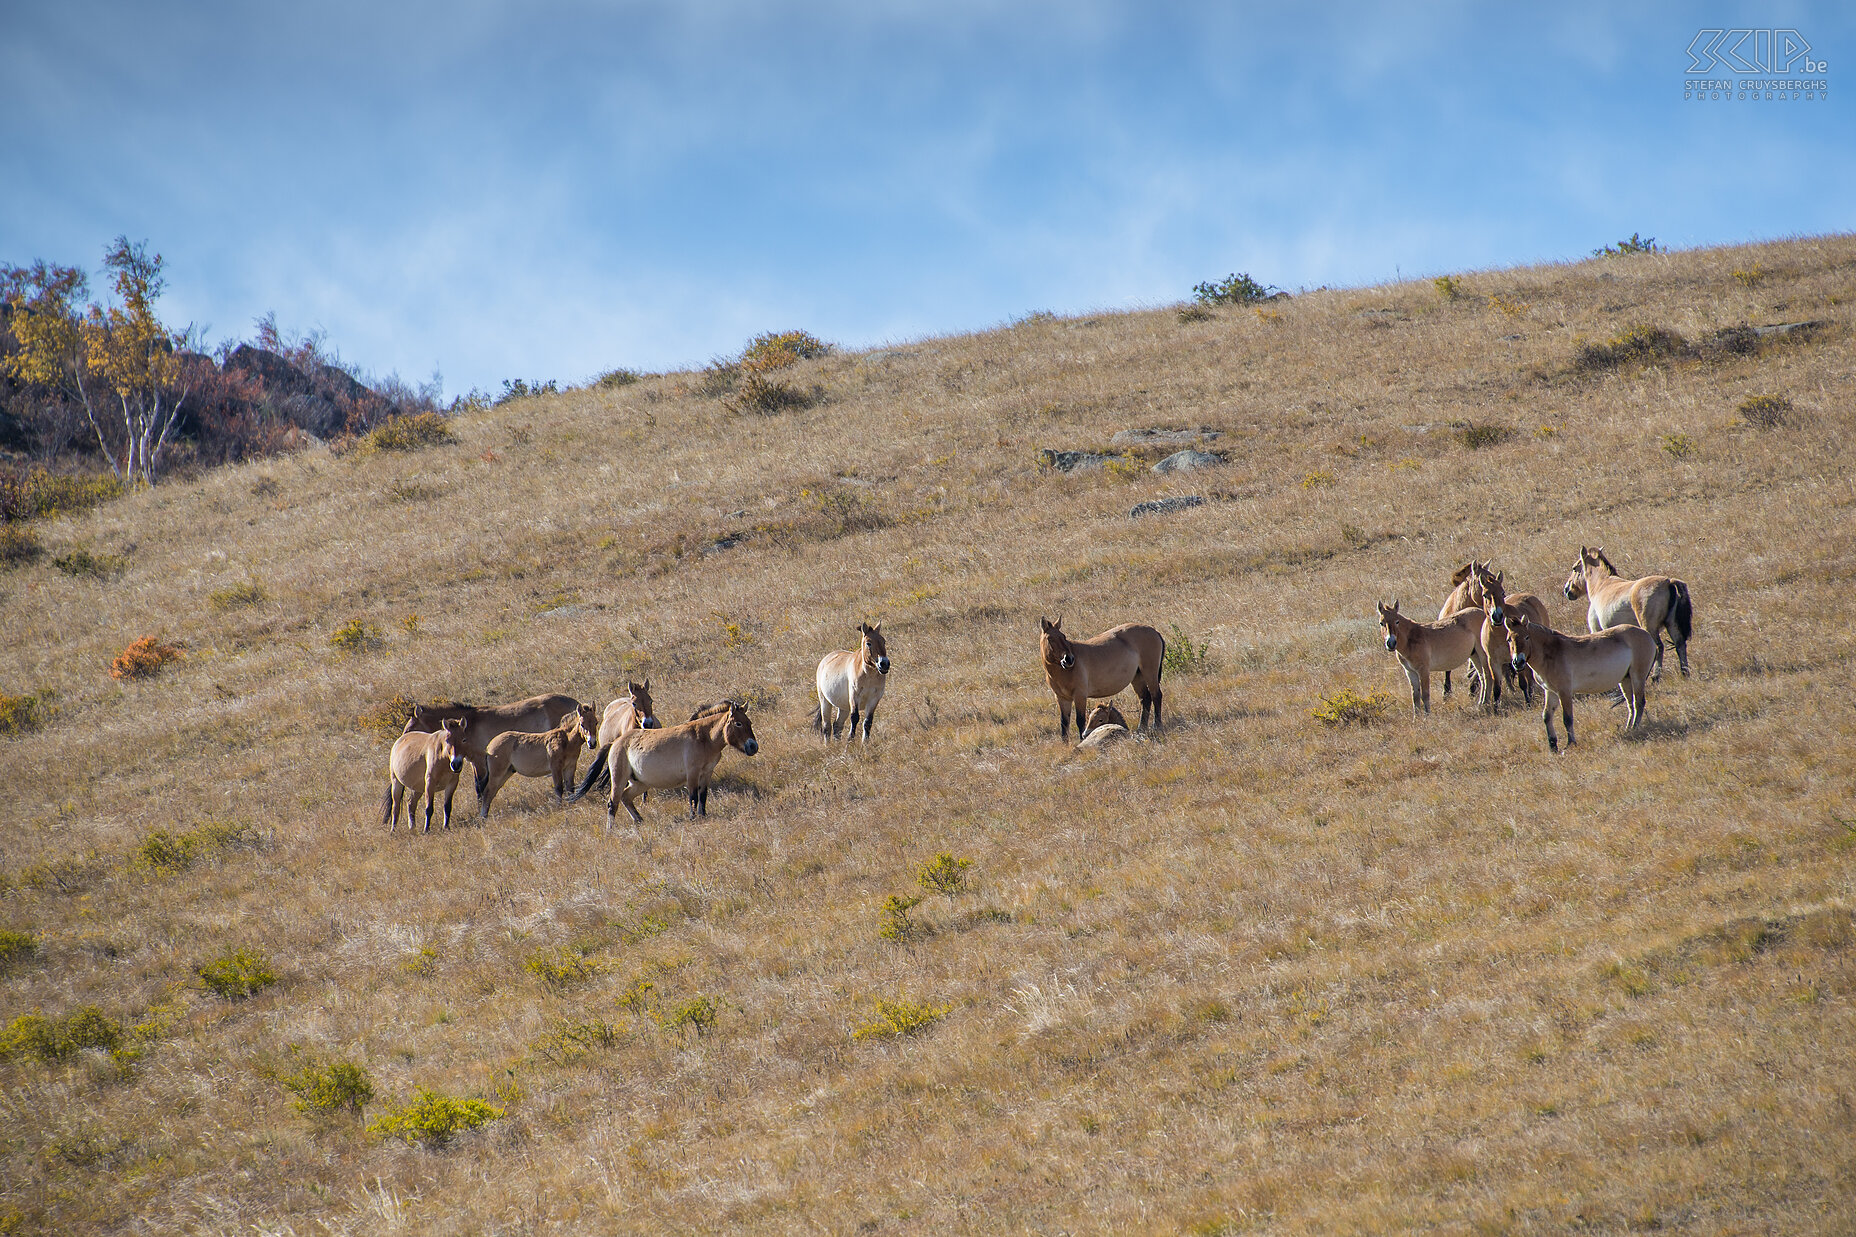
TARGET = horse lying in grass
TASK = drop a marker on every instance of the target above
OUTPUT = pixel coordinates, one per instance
(850, 683)
(551, 755)
(1495, 600)
(1615, 658)
(1425, 649)
(632, 711)
(683, 755)
(1101, 666)
(423, 761)
(1654, 603)
(536, 715)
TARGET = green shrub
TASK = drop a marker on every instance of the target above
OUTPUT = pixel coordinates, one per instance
(81, 562)
(412, 432)
(564, 966)
(238, 596)
(56, 1039)
(569, 1042)
(1679, 445)
(944, 875)
(1447, 287)
(331, 1087)
(518, 389)
(1476, 437)
(698, 1014)
(1639, 343)
(1766, 411)
(778, 350)
(1234, 290)
(900, 1018)
(16, 947)
(1632, 244)
(1349, 708)
(22, 714)
(162, 853)
(433, 1120)
(18, 546)
(760, 394)
(897, 926)
(36, 492)
(357, 635)
(617, 378)
(237, 974)
(1183, 656)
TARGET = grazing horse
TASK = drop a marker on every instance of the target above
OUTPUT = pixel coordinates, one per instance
(1101, 666)
(1654, 603)
(684, 755)
(1616, 658)
(632, 711)
(1462, 597)
(850, 683)
(1495, 601)
(1425, 649)
(423, 760)
(536, 715)
(552, 755)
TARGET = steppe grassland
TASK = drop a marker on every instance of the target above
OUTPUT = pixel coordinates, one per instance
(1259, 974)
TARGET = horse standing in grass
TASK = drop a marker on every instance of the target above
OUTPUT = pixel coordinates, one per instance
(423, 761)
(1425, 649)
(1654, 603)
(684, 755)
(1496, 601)
(850, 683)
(552, 755)
(632, 711)
(1616, 658)
(536, 715)
(1078, 670)
(1462, 597)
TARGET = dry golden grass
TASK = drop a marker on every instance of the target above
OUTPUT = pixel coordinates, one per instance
(1261, 973)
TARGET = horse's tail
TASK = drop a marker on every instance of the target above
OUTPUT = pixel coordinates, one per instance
(1160, 666)
(598, 775)
(386, 803)
(1681, 613)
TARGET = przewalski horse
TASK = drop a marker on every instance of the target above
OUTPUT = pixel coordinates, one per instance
(632, 711)
(684, 755)
(1495, 601)
(425, 761)
(1654, 603)
(1099, 667)
(552, 754)
(1462, 597)
(1425, 649)
(850, 683)
(1616, 658)
(536, 715)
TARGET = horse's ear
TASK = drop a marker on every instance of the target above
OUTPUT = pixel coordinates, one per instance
(1462, 573)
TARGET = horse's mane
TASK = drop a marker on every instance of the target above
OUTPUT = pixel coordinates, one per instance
(1600, 556)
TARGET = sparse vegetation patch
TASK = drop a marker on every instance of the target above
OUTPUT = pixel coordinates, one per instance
(1350, 708)
(22, 714)
(144, 659)
(236, 974)
(82, 563)
(1234, 290)
(901, 1017)
(1639, 344)
(412, 432)
(433, 1120)
(332, 1086)
(1766, 411)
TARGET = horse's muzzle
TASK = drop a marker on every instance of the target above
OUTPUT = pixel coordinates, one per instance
(457, 762)
(1518, 662)
(1066, 662)
(1391, 644)
(648, 723)
(751, 746)
(1495, 616)
(1569, 593)
(882, 665)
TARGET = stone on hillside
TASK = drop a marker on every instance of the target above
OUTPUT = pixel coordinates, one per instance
(1164, 506)
(1187, 460)
(1072, 461)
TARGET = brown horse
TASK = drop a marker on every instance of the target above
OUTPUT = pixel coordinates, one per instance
(553, 754)
(1425, 649)
(683, 755)
(1615, 658)
(536, 715)
(1100, 666)
(632, 711)
(1462, 597)
(1104, 715)
(1654, 603)
(1495, 600)
(850, 683)
(427, 761)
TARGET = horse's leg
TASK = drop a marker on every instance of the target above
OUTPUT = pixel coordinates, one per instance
(869, 716)
(1546, 717)
(1159, 700)
(449, 793)
(428, 808)
(1417, 693)
(1063, 719)
(1656, 665)
(1566, 716)
(695, 799)
(855, 718)
(627, 796)
(1446, 682)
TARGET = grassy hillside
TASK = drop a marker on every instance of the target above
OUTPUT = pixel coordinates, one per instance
(1258, 974)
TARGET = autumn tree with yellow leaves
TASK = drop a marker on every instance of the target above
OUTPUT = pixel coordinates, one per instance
(123, 365)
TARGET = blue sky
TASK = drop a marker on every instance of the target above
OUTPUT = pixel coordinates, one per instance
(550, 189)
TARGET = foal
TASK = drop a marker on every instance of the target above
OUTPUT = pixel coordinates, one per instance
(1101, 666)
(552, 755)
(850, 683)
(427, 761)
(1425, 649)
(1615, 658)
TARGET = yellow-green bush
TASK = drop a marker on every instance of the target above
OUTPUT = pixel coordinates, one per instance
(16, 947)
(564, 966)
(37, 492)
(413, 432)
(164, 853)
(238, 596)
(22, 714)
(18, 546)
(897, 926)
(903, 1017)
(1349, 708)
(1766, 411)
(779, 349)
(82, 562)
(432, 1119)
(237, 974)
(56, 1039)
(944, 875)
(1639, 343)
(357, 635)
(330, 1087)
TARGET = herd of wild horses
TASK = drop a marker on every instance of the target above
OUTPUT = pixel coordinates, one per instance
(1501, 635)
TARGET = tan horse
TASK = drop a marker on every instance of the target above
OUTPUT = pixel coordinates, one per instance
(1425, 649)
(632, 711)
(684, 755)
(1462, 597)
(1495, 600)
(1078, 670)
(1104, 715)
(552, 755)
(423, 761)
(850, 683)
(1654, 603)
(536, 715)
(1615, 658)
